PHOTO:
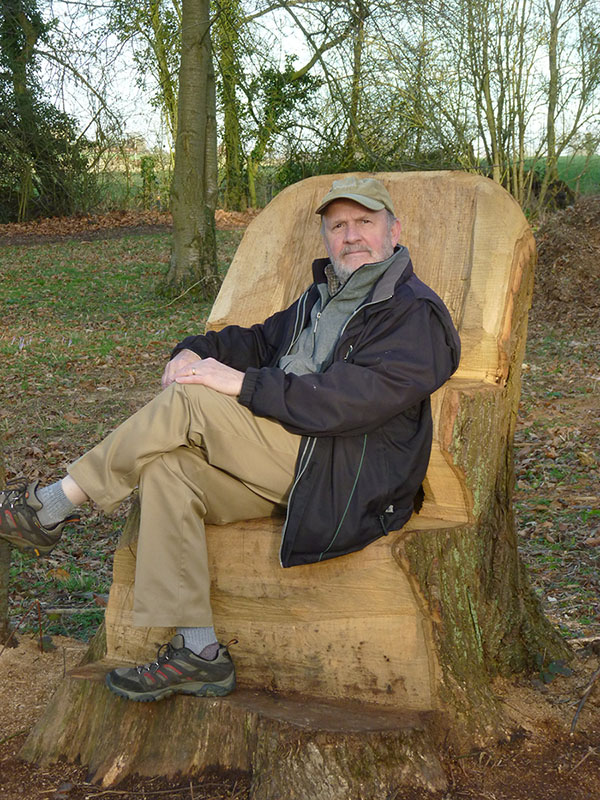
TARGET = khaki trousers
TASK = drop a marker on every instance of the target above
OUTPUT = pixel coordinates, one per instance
(196, 455)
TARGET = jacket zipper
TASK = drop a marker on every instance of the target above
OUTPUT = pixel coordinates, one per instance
(298, 327)
(302, 465)
(356, 311)
(312, 440)
(339, 527)
(317, 318)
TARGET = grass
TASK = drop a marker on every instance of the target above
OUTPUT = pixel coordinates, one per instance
(83, 344)
(557, 447)
(582, 174)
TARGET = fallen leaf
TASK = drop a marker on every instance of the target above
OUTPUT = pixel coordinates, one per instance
(59, 574)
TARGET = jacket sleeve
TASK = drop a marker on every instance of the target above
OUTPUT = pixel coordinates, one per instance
(407, 359)
(239, 347)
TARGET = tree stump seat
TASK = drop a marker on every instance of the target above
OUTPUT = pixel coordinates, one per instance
(413, 627)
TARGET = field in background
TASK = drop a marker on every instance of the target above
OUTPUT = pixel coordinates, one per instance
(125, 187)
(581, 173)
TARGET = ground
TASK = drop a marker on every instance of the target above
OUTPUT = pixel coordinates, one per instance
(558, 514)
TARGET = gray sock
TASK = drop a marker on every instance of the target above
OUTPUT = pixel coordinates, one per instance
(202, 641)
(56, 506)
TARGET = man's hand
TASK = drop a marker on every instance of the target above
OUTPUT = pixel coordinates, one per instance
(212, 373)
(176, 364)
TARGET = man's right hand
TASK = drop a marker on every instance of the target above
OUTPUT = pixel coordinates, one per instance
(178, 362)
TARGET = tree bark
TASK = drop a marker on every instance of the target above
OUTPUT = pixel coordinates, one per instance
(227, 35)
(193, 264)
(168, 90)
(551, 169)
(401, 641)
(360, 13)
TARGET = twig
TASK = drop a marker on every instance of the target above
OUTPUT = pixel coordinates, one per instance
(583, 640)
(179, 296)
(14, 631)
(591, 751)
(13, 736)
(586, 694)
(89, 609)
(151, 792)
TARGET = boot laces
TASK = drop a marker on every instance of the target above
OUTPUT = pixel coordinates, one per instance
(15, 491)
(164, 653)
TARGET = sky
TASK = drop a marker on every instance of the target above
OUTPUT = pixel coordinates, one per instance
(110, 64)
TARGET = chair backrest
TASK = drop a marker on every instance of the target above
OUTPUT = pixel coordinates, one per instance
(462, 232)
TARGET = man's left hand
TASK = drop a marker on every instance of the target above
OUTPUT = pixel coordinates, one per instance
(212, 373)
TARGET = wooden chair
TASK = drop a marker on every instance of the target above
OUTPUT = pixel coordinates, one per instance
(400, 628)
(358, 613)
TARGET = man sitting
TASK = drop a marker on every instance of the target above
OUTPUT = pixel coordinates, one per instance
(322, 412)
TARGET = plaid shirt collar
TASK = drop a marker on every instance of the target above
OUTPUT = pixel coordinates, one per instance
(334, 284)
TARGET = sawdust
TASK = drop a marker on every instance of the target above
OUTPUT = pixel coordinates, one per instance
(29, 678)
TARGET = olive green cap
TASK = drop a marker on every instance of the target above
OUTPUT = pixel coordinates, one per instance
(369, 192)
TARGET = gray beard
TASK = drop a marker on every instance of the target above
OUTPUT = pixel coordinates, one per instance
(342, 272)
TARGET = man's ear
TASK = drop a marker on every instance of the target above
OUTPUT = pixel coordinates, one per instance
(396, 230)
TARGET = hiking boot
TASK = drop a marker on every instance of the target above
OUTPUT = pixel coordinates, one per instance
(177, 670)
(19, 523)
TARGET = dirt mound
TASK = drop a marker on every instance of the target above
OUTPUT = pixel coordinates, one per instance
(567, 284)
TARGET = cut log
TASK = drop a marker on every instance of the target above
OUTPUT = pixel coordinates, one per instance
(293, 748)
(416, 626)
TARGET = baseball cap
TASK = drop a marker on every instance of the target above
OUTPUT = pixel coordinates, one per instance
(369, 192)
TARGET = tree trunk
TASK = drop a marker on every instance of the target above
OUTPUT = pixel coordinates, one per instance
(349, 153)
(551, 168)
(227, 27)
(168, 89)
(355, 672)
(194, 189)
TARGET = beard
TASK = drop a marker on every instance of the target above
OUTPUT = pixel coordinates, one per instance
(343, 272)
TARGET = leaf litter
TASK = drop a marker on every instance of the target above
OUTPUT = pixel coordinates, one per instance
(102, 372)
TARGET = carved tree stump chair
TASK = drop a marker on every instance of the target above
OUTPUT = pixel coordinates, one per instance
(370, 658)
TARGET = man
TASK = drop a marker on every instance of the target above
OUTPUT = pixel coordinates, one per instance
(322, 411)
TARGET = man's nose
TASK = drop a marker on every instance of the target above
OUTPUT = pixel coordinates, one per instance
(352, 232)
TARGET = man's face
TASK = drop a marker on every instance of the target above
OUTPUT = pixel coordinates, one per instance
(354, 236)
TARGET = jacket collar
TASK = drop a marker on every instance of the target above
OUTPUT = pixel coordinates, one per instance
(400, 269)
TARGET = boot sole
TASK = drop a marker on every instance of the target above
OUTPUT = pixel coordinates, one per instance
(195, 689)
(26, 547)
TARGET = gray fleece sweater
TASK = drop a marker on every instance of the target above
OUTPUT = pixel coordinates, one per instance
(314, 345)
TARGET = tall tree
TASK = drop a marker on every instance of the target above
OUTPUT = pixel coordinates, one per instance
(194, 187)
(360, 12)
(546, 62)
(573, 51)
(42, 163)
(228, 30)
(156, 25)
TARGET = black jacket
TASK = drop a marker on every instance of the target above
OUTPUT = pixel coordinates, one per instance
(365, 418)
